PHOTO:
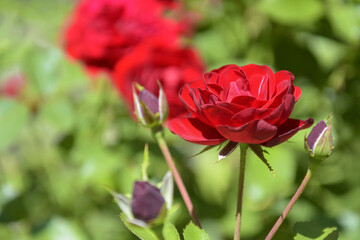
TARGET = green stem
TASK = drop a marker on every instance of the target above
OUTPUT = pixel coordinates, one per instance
(292, 202)
(243, 148)
(158, 134)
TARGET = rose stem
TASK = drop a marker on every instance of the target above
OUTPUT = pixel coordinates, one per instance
(243, 148)
(180, 184)
(292, 202)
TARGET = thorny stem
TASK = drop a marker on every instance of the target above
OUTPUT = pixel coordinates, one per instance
(180, 184)
(243, 148)
(292, 202)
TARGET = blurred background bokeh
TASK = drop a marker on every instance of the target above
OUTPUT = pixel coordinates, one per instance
(65, 136)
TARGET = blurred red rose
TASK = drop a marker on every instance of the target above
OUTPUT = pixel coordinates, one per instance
(169, 3)
(248, 104)
(102, 31)
(157, 59)
(11, 86)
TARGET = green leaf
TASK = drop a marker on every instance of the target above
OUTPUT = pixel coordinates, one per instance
(314, 231)
(170, 232)
(143, 233)
(13, 117)
(193, 232)
(292, 12)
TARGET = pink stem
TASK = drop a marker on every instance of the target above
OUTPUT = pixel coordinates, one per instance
(292, 202)
(177, 177)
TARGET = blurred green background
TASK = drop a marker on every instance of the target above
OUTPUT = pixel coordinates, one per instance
(67, 137)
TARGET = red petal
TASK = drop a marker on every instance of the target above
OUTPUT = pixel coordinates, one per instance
(235, 108)
(250, 114)
(217, 115)
(278, 98)
(254, 132)
(280, 114)
(208, 97)
(261, 79)
(215, 89)
(297, 93)
(211, 77)
(248, 101)
(238, 88)
(185, 95)
(229, 75)
(288, 129)
(284, 76)
(195, 131)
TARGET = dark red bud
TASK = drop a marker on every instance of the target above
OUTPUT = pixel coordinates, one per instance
(315, 133)
(150, 101)
(147, 201)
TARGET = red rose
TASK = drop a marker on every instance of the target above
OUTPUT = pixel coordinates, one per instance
(154, 60)
(12, 85)
(248, 104)
(102, 31)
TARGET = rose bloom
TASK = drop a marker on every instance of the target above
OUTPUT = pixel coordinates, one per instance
(12, 86)
(158, 60)
(248, 104)
(102, 31)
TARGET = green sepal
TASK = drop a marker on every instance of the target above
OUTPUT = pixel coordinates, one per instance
(138, 108)
(123, 202)
(205, 149)
(227, 150)
(167, 189)
(163, 105)
(257, 149)
(144, 233)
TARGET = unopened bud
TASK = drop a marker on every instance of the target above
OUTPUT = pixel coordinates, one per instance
(147, 201)
(150, 110)
(320, 143)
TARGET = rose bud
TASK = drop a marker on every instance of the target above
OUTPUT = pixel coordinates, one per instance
(147, 201)
(319, 143)
(150, 110)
